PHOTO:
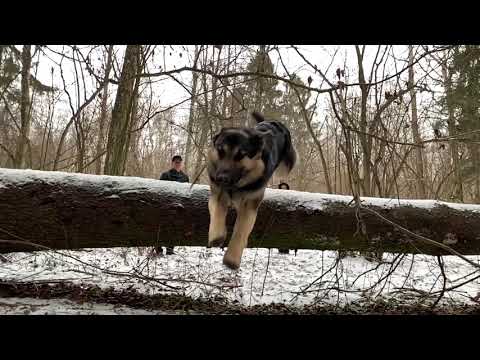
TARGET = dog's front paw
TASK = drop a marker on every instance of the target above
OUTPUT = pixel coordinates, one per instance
(231, 262)
(217, 241)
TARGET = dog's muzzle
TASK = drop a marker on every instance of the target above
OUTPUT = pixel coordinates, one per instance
(224, 178)
(228, 178)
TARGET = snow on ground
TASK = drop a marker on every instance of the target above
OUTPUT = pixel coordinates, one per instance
(262, 279)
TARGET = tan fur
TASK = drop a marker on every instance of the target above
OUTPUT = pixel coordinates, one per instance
(227, 162)
(246, 206)
(212, 155)
(238, 199)
(218, 209)
(246, 216)
(254, 168)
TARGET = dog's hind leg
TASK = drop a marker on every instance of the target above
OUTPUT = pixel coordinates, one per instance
(217, 232)
(286, 164)
(246, 216)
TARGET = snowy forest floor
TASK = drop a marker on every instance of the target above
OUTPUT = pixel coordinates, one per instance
(194, 281)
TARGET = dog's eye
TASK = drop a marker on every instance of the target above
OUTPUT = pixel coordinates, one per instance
(220, 151)
(240, 155)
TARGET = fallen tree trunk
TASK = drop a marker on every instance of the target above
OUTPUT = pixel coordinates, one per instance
(67, 211)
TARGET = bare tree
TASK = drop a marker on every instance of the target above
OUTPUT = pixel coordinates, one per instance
(416, 135)
(25, 103)
(192, 114)
(103, 111)
(122, 113)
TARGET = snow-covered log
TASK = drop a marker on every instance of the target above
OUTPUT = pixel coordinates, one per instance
(66, 210)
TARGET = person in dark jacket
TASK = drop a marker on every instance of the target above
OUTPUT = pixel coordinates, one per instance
(174, 174)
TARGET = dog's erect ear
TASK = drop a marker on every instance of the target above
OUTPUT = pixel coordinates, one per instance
(258, 117)
(214, 139)
(256, 144)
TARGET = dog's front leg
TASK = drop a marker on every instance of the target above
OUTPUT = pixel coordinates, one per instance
(246, 216)
(217, 232)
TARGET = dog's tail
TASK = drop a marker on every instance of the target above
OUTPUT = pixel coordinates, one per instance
(290, 154)
(288, 157)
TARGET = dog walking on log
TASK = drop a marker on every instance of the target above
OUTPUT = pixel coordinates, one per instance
(240, 163)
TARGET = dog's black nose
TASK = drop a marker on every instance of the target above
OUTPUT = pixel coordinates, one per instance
(223, 178)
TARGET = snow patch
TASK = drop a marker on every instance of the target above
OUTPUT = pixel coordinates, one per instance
(265, 276)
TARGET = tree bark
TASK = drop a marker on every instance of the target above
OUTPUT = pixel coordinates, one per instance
(24, 108)
(259, 86)
(476, 162)
(191, 117)
(121, 115)
(365, 142)
(416, 135)
(205, 121)
(103, 112)
(453, 144)
(67, 210)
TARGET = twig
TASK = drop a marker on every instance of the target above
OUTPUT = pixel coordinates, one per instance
(266, 271)
(440, 263)
(423, 238)
(197, 176)
(24, 242)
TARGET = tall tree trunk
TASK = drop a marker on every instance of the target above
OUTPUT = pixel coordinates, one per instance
(103, 112)
(204, 123)
(453, 144)
(416, 135)
(59, 152)
(47, 131)
(213, 104)
(118, 134)
(191, 117)
(365, 142)
(132, 141)
(476, 164)
(25, 105)
(80, 143)
(225, 91)
(259, 83)
(351, 171)
(235, 105)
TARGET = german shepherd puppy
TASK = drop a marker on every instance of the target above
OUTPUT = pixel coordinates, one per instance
(240, 163)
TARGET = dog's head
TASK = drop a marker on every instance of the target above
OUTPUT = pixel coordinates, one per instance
(235, 158)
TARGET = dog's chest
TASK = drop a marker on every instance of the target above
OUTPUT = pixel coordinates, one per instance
(236, 200)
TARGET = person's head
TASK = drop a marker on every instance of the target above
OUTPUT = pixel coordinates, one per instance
(177, 162)
(283, 186)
